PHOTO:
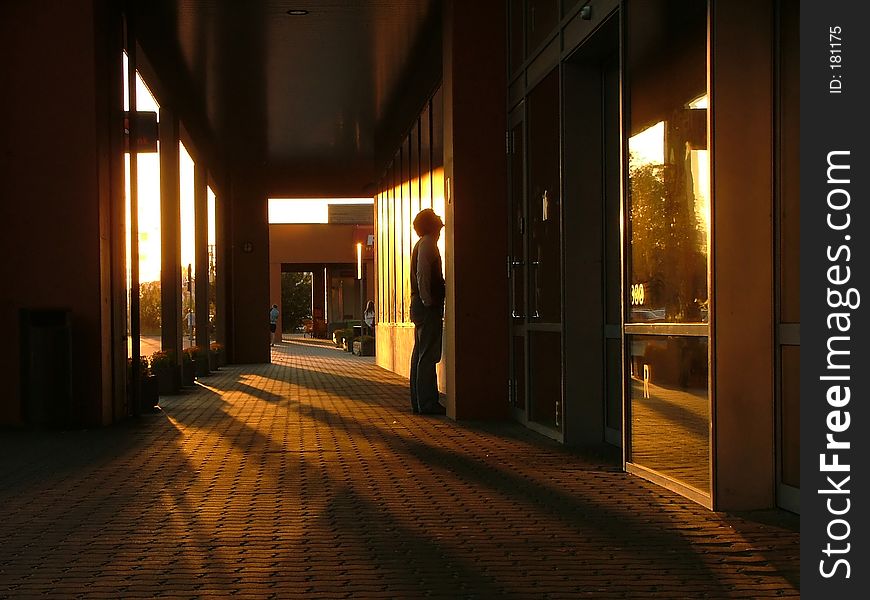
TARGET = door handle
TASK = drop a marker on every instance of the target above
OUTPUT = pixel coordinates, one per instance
(513, 264)
(535, 264)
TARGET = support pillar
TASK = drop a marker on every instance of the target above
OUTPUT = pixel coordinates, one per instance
(318, 294)
(170, 234)
(742, 256)
(200, 240)
(249, 288)
(475, 121)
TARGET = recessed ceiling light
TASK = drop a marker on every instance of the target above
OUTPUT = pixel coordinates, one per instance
(297, 12)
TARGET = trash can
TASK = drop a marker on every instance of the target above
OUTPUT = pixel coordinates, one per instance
(46, 367)
(357, 331)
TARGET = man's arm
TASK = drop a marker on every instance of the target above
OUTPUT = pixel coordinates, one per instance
(426, 257)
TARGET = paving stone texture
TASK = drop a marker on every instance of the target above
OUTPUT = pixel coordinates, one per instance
(309, 478)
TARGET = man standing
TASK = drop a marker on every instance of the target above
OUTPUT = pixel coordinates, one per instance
(427, 312)
(273, 322)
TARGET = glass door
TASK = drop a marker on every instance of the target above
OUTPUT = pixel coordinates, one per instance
(543, 239)
(668, 211)
(535, 263)
(517, 265)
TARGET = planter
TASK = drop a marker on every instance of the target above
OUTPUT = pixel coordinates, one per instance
(188, 373)
(167, 380)
(364, 347)
(201, 368)
(213, 360)
(150, 391)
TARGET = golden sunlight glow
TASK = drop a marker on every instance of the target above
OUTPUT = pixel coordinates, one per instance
(212, 236)
(148, 188)
(306, 210)
(396, 210)
(648, 146)
(188, 214)
(700, 162)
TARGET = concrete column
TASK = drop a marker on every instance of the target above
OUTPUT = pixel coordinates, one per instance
(275, 294)
(222, 253)
(200, 209)
(170, 234)
(318, 293)
(248, 294)
(742, 256)
(475, 121)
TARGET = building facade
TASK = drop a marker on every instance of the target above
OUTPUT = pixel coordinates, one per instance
(646, 231)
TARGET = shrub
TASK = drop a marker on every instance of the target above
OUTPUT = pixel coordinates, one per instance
(162, 359)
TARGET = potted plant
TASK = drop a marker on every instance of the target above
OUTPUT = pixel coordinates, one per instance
(163, 366)
(364, 346)
(188, 367)
(148, 387)
(200, 360)
(347, 341)
(215, 356)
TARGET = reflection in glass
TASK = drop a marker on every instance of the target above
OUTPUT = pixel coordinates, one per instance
(669, 184)
(148, 189)
(670, 408)
(545, 378)
(212, 267)
(188, 258)
(544, 211)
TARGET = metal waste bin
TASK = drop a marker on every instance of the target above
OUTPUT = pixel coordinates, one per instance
(46, 367)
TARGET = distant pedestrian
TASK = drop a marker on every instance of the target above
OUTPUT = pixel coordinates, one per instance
(273, 321)
(427, 312)
(191, 322)
(369, 317)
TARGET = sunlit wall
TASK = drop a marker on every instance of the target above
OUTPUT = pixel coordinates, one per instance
(413, 181)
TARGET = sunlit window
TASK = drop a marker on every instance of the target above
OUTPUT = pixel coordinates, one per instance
(306, 210)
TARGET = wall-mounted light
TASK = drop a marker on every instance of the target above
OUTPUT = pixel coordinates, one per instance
(359, 260)
(297, 12)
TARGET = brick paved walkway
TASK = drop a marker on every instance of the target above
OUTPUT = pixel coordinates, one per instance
(308, 478)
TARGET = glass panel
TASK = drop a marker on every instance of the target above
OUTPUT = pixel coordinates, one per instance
(391, 220)
(791, 416)
(148, 189)
(670, 408)
(669, 175)
(212, 267)
(516, 35)
(407, 218)
(567, 5)
(518, 268)
(545, 378)
(541, 18)
(415, 179)
(544, 255)
(519, 372)
(425, 159)
(437, 133)
(188, 261)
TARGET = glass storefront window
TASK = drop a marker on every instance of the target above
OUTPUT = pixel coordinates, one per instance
(670, 408)
(668, 227)
(669, 182)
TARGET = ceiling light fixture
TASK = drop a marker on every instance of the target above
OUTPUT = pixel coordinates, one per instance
(297, 12)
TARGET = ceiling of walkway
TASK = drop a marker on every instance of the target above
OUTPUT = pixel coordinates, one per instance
(287, 94)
